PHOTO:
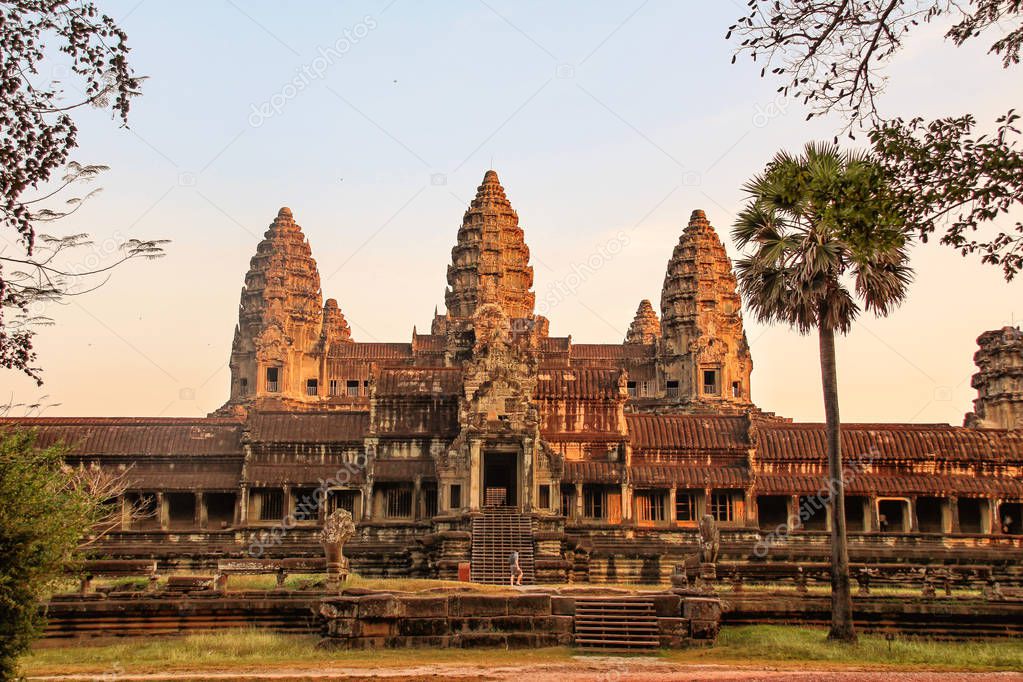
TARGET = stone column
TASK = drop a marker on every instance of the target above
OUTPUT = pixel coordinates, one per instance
(828, 517)
(417, 498)
(162, 510)
(953, 511)
(578, 500)
(125, 513)
(289, 503)
(526, 482)
(996, 523)
(914, 522)
(201, 514)
(475, 476)
(241, 508)
(626, 502)
(671, 515)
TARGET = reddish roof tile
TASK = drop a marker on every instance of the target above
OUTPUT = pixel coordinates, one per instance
(419, 381)
(308, 427)
(653, 432)
(591, 472)
(403, 469)
(690, 476)
(886, 484)
(592, 384)
(136, 435)
(372, 351)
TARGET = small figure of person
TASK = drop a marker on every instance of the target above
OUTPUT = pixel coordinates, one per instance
(882, 523)
(1006, 524)
(516, 570)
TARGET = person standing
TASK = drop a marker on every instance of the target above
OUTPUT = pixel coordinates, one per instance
(516, 570)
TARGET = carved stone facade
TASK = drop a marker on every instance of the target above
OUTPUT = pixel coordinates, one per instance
(611, 453)
(704, 359)
(999, 380)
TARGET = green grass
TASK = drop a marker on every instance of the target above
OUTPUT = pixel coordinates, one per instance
(778, 643)
(753, 646)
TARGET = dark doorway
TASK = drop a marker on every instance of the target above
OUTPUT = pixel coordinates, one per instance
(930, 514)
(1009, 516)
(499, 478)
(971, 515)
(772, 511)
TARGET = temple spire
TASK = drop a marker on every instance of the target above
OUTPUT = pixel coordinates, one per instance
(490, 261)
(645, 327)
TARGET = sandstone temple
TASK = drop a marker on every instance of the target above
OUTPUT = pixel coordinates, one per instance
(595, 461)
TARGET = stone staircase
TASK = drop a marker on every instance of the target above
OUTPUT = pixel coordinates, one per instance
(495, 535)
(616, 623)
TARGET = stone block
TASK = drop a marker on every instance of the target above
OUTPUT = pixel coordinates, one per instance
(424, 627)
(563, 606)
(514, 623)
(379, 606)
(371, 629)
(704, 629)
(474, 640)
(340, 607)
(678, 627)
(563, 624)
(667, 605)
(477, 605)
(424, 607)
(697, 608)
(530, 605)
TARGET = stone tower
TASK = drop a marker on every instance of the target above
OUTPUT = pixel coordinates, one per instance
(999, 380)
(645, 328)
(704, 360)
(280, 317)
(490, 261)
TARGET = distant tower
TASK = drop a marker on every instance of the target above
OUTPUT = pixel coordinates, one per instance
(999, 380)
(704, 360)
(280, 318)
(490, 261)
(645, 328)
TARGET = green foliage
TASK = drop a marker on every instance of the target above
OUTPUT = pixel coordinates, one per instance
(820, 223)
(44, 514)
(952, 182)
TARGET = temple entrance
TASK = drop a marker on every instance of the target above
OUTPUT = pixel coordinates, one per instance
(500, 477)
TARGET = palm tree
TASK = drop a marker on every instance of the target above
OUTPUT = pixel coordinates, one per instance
(825, 240)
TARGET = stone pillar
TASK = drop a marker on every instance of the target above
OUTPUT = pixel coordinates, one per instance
(996, 522)
(475, 476)
(626, 502)
(914, 522)
(125, 513)
(873, 517)
(578, 500)
(241, 509)
(953, 512)
(828, 517)
(367, 500)
(417, 498)
(201, 514)
(162, 511)
(526, 483)
(671, 516)
(289, 503)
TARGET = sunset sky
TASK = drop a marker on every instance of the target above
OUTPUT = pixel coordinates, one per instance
(375, 121)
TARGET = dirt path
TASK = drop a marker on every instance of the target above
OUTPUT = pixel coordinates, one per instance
(607, 669)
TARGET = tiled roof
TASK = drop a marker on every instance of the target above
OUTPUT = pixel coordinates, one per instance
(690, 476)
(611, 351)
(593, 384)
(220, 474)
(419, 381)
(372, 351)
(887, 484)
(311, 471)
(686, 432)
(554, 344)
(891, 441)
(591, 472)
(430, 343)
(308, 427)
(136, 435)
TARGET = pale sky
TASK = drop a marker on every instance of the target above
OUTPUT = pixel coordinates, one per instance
(375, 121)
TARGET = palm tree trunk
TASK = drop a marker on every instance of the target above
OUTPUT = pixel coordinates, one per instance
(841, 594)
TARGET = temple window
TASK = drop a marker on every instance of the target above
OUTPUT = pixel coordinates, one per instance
(1009, 518)
(711, 382)
(772, 511)
(567, 500)
(144, 512)
(812, 512)
(672, 389)
(893, 515)
(398, 501)
(180, 510)
(267, 504)
(722, 506)
(594, 502)
(455, 496)
(650, 506)
(311, 386)
(305, 504)
(631, 386)
(856, 513)
(544, 496)
(931, 514)
(687, 505)
(972, 511)
(343, 499)
(243, 386)
(220, 510)
(273, 379)
(333, 388)
(353, 389)
(736, 389)
(429, 500)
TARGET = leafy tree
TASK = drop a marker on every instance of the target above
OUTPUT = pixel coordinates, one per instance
(48, 512)
(826, 240)
(831, 54)
(37, 137)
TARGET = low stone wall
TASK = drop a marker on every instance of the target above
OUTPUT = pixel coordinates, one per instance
(479, 619)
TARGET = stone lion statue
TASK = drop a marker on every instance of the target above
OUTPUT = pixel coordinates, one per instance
(710, 540)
